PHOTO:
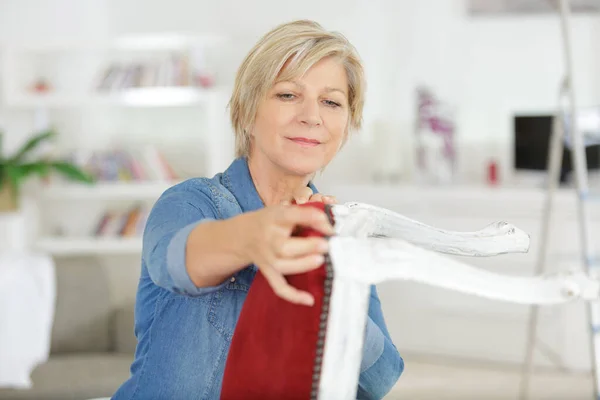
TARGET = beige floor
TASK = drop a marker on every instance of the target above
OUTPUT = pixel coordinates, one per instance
(427, 378)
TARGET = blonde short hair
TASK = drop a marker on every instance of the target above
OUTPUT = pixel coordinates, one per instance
(303, 43)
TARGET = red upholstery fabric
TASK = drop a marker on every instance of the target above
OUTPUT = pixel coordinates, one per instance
(273, 350)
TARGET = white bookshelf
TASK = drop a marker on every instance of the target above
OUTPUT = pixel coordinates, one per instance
(185, 114)
(138, 97)
(133, 191)
(89, 245)
(48, 101)
(75, 67)
(156, 97)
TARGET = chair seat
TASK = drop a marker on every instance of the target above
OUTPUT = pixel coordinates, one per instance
(77, 376)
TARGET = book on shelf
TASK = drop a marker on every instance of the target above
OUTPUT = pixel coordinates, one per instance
(173, 71)
(143, 164)
(119, 223)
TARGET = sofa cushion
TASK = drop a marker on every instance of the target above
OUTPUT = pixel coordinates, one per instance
(124, 340)
(82, 322)
(78, 377)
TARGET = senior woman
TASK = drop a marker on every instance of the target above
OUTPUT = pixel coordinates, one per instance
(297, 95)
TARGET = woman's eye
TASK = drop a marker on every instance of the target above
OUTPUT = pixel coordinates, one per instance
(285, 96)
(332, 103)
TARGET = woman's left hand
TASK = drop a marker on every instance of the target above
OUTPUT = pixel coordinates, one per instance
(305, 195)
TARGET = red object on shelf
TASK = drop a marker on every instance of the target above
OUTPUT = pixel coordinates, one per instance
(493, 173)
(41, 86)
(205, 80)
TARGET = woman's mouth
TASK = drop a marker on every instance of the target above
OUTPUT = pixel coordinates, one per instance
(306, 142)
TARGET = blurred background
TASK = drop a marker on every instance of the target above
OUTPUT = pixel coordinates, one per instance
(461, 96)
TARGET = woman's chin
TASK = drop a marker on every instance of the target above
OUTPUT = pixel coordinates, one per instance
(302, 164)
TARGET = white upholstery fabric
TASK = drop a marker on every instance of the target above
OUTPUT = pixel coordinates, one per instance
(27, 299)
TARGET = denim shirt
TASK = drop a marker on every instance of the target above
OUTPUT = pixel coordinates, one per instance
(184, 332)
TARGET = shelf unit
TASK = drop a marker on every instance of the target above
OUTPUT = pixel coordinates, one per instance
(100, 194)
(138, 97)
(119, 190)
(70, 246)
(93, 119)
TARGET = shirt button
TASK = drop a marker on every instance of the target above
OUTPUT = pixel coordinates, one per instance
(232, 279)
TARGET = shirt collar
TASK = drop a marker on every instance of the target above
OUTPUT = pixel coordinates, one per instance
(238, 180)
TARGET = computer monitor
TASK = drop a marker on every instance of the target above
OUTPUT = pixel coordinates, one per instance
(532, 134)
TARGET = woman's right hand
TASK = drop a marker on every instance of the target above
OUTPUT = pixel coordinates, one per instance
(274, 250)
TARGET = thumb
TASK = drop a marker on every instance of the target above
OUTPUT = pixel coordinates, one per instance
(302, 195)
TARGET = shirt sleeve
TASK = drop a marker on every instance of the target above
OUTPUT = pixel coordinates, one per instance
(172, 218)
(381, 364)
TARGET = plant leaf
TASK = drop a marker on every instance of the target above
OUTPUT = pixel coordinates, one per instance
(40, 168)
(71, 171)
(30, 145)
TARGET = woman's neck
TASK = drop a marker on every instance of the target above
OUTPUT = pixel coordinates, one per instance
(273, 184)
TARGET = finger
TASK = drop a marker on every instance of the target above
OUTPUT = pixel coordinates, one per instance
(299, 265)
(323, 198)
(309, 217)
(317, 197)
(330, 200)
(302, 195)
(286, 291)
(296, 247)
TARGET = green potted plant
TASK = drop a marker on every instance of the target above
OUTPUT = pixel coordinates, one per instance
(16, 169)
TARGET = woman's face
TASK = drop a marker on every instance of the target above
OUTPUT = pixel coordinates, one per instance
(300, 125)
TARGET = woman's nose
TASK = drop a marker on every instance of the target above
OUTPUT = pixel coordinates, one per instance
(310, 113)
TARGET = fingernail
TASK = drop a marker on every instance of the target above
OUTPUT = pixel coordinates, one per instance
(309, 301)
(319, 259)
(301, 200)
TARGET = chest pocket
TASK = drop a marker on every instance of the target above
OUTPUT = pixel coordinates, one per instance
(226, 303)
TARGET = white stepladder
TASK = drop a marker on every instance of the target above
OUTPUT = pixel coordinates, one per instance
(566, 127)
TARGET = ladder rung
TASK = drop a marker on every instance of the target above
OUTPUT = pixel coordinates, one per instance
(590, 196)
